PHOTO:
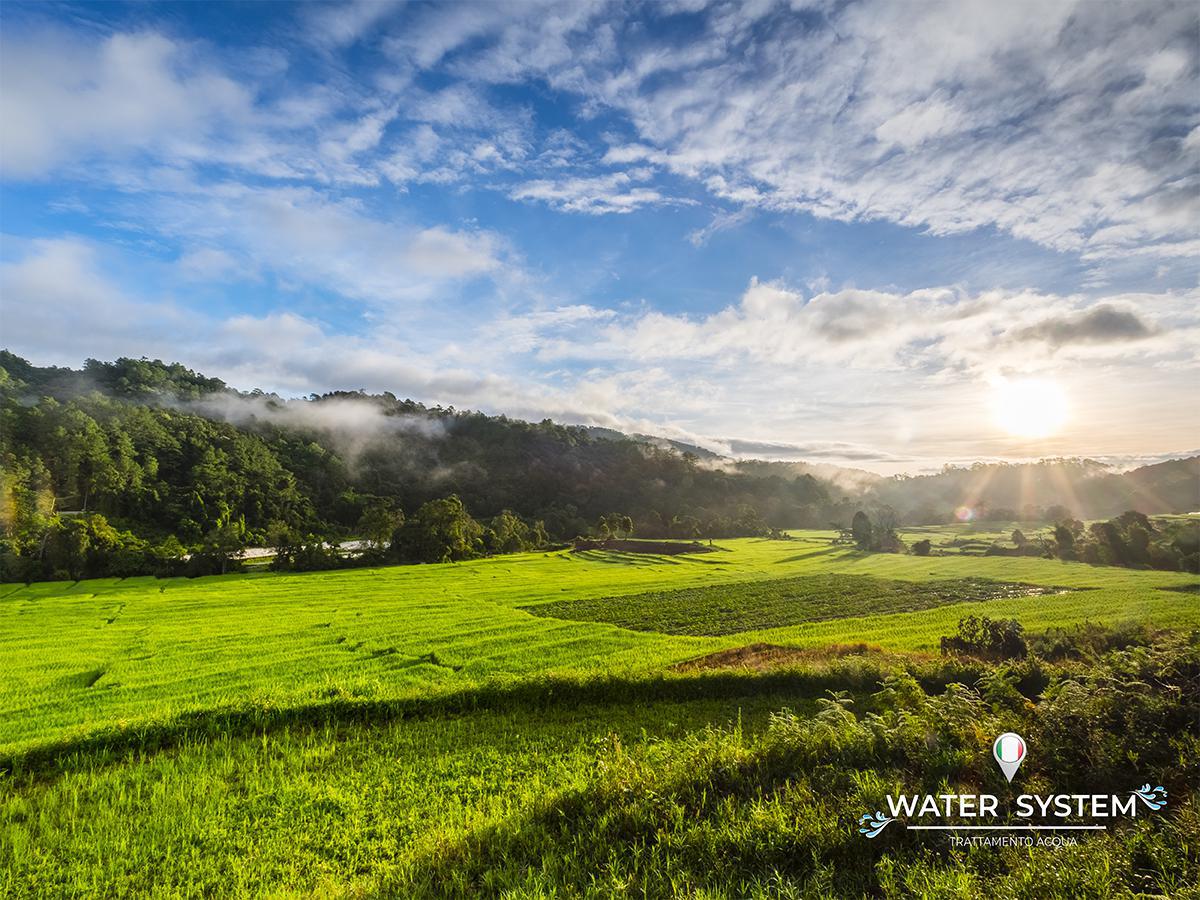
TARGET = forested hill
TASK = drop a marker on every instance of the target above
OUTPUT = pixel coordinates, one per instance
(161, 450)
(1050, 490)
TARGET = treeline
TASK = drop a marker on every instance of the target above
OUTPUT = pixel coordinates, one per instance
(144, 461)
(88, 546)
(1130, 540)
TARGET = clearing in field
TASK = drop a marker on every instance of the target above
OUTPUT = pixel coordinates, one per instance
(755, 605)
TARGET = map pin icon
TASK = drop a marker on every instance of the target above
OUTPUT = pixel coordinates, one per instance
(1009, 750)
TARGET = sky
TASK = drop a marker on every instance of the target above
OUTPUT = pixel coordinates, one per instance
(881, 234)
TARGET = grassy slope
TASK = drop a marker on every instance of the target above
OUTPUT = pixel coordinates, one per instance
(326, 809)
(371, 801)
(80, 656)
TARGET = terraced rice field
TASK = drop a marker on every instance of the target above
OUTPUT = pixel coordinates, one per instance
(105, 654)
(340, 733)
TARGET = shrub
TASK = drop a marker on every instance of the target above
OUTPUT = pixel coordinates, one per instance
(985, 638)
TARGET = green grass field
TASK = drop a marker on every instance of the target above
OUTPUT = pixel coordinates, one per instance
(258, 734)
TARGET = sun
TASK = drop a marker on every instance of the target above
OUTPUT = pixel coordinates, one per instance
(1029, 407)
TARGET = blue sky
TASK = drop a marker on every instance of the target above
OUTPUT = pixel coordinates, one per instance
(842, 228)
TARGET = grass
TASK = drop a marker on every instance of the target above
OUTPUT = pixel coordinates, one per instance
(108, 653)
(773, 813)
(755, 605)
(713, 794)
(314, 809)
(365, 732)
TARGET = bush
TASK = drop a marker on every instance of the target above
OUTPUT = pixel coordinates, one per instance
(984, 638)
(1088, 640)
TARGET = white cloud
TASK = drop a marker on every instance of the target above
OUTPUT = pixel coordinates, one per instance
(57, 301)
(721, 221)
(342, 24)
(615, 193)
(63, 98)
(938, 331)
(893, 381)
(111, 107)
(212, 264)
(946, 116)
(1079, 133)
(304, 236)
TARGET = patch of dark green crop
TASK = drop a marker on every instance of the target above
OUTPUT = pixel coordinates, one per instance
(755, 605)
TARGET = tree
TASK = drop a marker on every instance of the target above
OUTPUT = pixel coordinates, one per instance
(284, 540)
(1139, 544)
(861, 530)
(986, 638)
(223, 544)
(1057, 513)
(378, 523)
(1018, 537)
(686, 527)
(67, 549)
(1112, 545)
(922, 547)
(615, 525)
(887, 519)
(1064, 540)
(439, 531)
(506, 533)
(749, 522)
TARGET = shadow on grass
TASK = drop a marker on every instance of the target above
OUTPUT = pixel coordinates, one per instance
(826, 551)
(121, 742)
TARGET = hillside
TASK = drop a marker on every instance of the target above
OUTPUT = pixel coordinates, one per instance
(162, 449)
(1080, 488)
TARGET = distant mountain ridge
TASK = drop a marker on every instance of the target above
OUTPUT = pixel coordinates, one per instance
(1085, 487)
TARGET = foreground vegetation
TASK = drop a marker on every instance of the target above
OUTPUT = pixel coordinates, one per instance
(724, 813)
(751, 786)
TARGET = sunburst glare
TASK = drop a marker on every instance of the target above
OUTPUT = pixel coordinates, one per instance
(1029, 407)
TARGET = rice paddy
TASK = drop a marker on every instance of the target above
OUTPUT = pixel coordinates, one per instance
(90, 654)
(753, 605)
(256, 734)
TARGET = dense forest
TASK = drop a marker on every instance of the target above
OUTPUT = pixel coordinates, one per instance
(137, 465)
(146, 450)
